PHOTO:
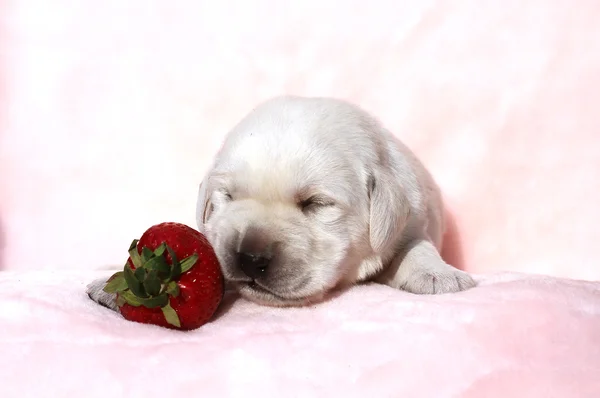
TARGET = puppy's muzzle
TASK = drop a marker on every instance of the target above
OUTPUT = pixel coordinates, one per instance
(255, 253)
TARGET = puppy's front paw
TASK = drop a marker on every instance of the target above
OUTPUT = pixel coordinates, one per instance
(438, 280)
(96, 293)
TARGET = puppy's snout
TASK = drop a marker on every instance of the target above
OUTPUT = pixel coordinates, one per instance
(253, 265)
(254, 255)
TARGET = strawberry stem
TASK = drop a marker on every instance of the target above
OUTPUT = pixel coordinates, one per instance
(152, 281)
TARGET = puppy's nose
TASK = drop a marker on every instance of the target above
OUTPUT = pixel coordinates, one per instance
(253, 265)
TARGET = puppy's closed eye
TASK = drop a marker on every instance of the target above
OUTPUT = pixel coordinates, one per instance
(226, 195)
(218, 198)
(223, 195)
(315, 202)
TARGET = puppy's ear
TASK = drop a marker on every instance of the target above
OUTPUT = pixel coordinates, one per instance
(388, 212)
(203, 204)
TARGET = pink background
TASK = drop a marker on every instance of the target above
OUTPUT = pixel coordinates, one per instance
(111, 111)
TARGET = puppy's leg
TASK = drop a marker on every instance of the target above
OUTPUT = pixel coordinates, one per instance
(421, 269)
(95, 292)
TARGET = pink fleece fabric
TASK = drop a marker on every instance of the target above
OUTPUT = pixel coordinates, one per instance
(110, 113)
(513, 336)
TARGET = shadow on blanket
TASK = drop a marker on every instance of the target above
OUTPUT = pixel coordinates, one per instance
(452, 251)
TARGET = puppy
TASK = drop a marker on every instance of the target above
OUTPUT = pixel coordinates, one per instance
(308, 195)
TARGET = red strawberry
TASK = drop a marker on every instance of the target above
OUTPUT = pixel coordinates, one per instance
(172, 279)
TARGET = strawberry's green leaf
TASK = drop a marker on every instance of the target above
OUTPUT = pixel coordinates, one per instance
(172, 255)
(140, 274)
(115, 275)
(175, 265)
(120, 300)
(171, 315)
(175, 271)
(134, 255)
(155, 302)
(159, 264)
(152, 284)
(116, 283)
(133, 244)
(172, 289)
(134, 285)
(189, 262)
(160, 249)
(131, 298)
(147, 254)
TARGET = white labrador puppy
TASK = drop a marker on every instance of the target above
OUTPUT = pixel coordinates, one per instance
(312, 194)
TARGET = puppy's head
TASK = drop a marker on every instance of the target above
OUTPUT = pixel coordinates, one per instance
(287, 204)
(281, 237)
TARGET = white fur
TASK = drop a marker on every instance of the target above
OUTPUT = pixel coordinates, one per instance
(386, 222)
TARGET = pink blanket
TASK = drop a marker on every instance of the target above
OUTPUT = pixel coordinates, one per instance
(513, 336)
